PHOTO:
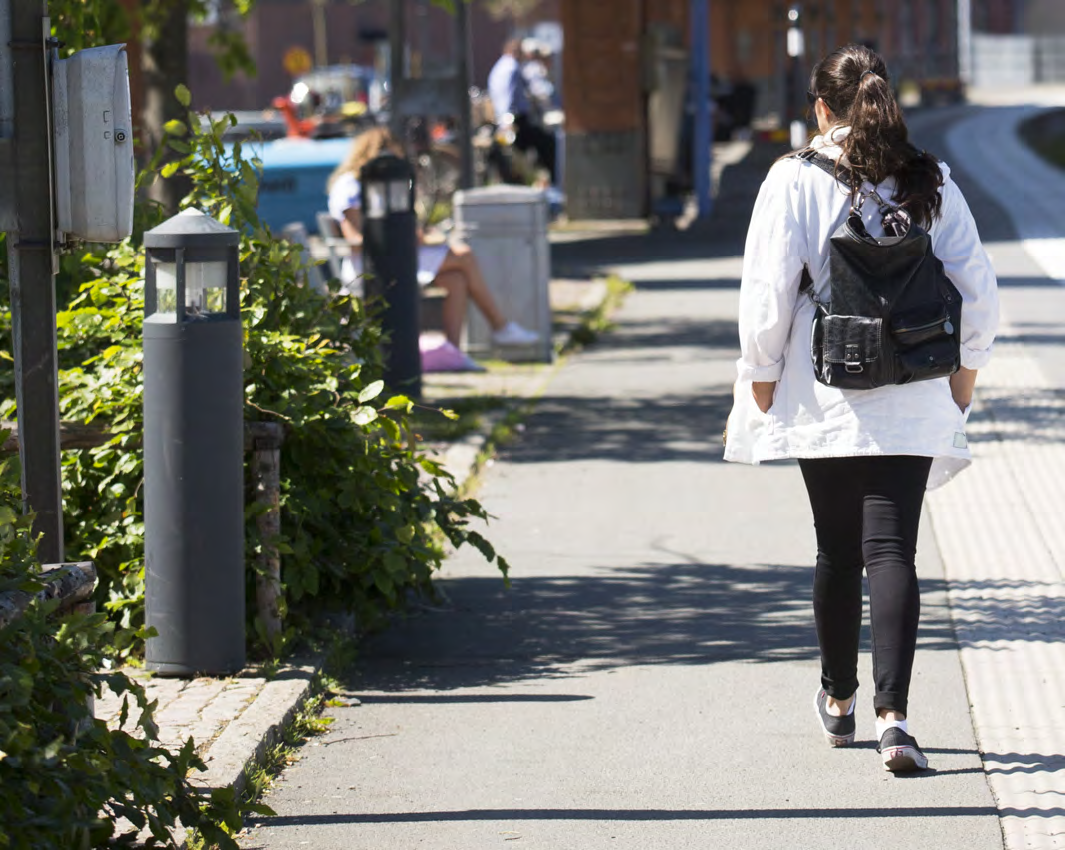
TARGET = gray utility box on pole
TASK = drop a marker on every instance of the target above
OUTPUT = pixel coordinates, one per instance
(193, 448)
(506, 226)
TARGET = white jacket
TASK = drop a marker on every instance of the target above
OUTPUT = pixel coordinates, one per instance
(798, 208)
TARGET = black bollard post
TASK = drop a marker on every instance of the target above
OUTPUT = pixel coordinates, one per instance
(193, 448)
(390, 255)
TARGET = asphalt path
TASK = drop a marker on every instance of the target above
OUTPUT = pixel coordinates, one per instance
(646, 681)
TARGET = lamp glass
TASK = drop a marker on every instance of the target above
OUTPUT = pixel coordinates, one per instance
(205, 288)
(166, 288)
(376, 200)
(399, 196)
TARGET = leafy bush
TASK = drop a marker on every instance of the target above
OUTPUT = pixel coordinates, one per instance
(364, 514)
(65, 778)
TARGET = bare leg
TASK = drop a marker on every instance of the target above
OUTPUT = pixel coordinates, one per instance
(839, 707)
(454, 304)
(460, 260)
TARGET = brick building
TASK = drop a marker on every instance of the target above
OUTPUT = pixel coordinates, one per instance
(351, 32)
(617, 67)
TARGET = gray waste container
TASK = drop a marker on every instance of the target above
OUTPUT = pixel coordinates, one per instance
(506, 226)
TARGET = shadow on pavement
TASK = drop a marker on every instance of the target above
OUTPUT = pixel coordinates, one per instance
(663, 815)
(634, 430)
(549, 627)
(674, 332)
(1029, 417)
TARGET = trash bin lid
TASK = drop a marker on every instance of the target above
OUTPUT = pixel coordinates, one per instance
(500, 194)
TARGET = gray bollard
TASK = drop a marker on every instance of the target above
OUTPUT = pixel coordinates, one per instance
(390, 255)
(193, 448)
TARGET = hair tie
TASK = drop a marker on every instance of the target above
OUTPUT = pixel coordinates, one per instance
(862, 77)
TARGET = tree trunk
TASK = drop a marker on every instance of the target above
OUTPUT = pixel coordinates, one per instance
(165, 66)
(136, 70)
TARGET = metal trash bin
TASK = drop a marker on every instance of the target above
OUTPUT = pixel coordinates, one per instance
(506, 226)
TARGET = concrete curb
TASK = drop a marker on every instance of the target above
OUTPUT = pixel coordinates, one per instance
(259, 727)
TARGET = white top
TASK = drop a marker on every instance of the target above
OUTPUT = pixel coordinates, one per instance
(346, 194)
(798, 208)
(506, 88)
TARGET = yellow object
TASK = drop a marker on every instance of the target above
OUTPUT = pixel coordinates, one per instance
(353, 109)
(297, 61)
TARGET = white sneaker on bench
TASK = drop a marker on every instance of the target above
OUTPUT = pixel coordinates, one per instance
(514, 334)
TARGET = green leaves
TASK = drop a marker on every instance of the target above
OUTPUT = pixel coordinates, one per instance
(66, 777)
(176, 128)
(365, 515)
(371, 392)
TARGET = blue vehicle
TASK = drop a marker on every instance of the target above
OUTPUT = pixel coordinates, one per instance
(292, 187)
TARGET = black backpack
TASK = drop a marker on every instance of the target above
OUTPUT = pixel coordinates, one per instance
(892, 314)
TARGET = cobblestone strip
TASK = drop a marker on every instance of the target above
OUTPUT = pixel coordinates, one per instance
(200, 708)
(1002, 539)
(1003, 550)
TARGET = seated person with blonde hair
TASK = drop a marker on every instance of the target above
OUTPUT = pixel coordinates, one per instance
(451, 267)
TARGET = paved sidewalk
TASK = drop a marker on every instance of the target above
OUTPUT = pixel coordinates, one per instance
(234, 720)
(647, 680)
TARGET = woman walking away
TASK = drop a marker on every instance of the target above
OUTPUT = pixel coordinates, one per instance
(867, 455)
(452, 267)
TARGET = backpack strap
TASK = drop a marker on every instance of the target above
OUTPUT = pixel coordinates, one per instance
(846, 176)
(831, 167)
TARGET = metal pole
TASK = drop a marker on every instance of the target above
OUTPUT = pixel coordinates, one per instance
(701, 136)
(31, 265)
(321, 43)
(462, 85)
(796, 46)
(397, 39)
(965, 41)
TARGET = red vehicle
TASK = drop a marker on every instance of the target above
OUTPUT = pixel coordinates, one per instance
(337, 100)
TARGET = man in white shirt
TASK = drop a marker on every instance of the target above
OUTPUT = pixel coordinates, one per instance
(506, 88)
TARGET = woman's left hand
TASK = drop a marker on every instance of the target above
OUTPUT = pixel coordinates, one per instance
(763, 394)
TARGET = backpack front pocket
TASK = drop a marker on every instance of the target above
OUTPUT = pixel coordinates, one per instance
(851, 350)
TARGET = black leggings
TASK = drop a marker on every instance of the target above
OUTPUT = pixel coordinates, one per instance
(866, 512)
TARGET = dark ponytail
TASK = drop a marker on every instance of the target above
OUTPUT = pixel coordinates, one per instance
(853, 83)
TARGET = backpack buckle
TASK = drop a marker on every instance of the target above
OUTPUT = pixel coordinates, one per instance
(852, 360)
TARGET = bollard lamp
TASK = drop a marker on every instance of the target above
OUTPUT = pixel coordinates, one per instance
(388, 184)
(192, 269)
(193, 448)
(390, 257)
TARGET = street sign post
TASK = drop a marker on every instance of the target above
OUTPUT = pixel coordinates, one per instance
(26, 213)
(702, 138)
(7, 119)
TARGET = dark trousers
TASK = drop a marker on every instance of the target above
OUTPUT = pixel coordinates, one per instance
(866, 513)
(528, 134)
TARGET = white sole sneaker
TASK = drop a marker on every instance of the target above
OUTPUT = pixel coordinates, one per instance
(903, 759)
(901, 752)
(839, 731)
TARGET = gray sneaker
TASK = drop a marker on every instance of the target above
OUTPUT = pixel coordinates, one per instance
(900, 751)
(839, 731)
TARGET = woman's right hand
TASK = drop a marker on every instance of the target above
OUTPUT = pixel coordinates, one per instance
(763, 394)
(962, 383)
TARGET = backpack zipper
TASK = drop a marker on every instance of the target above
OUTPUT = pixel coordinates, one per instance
(924, 327)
